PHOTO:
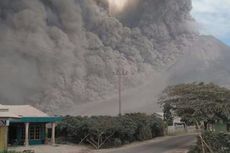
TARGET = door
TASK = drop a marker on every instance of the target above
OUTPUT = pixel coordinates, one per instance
(12, 138)
(37, 134)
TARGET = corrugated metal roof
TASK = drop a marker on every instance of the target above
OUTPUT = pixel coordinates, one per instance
(24, 111)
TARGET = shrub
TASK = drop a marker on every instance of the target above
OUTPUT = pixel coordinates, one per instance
(144, 133)
(157, 126)
(107, 131)
(218, 142)
(126, 129)
(117, 142)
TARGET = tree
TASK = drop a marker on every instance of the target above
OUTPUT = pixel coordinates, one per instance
(101, 129)
(108, 131)
(168, 116)
(196, 102)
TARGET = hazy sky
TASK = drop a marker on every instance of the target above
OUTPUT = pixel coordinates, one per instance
(213, 17)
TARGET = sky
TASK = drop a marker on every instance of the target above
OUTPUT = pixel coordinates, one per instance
(213, 17)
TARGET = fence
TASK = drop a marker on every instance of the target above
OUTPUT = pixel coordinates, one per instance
(179, 129)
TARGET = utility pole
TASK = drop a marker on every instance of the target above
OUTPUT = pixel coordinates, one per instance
(120, 73)
(110, 7)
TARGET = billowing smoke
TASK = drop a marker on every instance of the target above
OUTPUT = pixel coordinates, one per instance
(55, 54)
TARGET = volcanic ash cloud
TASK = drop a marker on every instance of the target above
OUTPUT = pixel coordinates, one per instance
(59, 53)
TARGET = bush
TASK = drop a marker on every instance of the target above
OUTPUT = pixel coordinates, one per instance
(106, 131)
(126, 129)
(218, 142)
(144, 133)
(157, 126)
(117, 142)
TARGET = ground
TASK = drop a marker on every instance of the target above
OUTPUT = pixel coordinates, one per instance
(55, 149)
(172, 144)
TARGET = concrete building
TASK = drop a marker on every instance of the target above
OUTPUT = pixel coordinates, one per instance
(25, 125)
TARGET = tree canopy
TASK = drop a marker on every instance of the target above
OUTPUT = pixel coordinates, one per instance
(204, 102)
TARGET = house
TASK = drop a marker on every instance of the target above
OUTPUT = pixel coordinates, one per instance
(176, 119)
(26, 125)
(5, 116)
(177, 125)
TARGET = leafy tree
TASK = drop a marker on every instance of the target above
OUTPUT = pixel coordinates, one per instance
(168, 116)
(197, 102)
(73, 128)
(101, 129)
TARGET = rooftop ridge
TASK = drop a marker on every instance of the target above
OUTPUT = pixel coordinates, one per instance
(23, 110)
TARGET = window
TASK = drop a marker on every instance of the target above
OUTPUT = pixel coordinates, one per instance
(23, 133)
(35, 132)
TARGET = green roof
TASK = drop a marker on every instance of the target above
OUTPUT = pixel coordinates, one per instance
(37, 120)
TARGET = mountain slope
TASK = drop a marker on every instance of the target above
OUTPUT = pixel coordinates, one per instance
(207, 61)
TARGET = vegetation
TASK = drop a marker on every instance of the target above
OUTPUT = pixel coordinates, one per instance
(107, 131)
(200, 104)
(197, 102)
(168, 116)
(215, 143)
(9, 151)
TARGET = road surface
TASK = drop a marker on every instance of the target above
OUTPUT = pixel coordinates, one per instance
(178, 144)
